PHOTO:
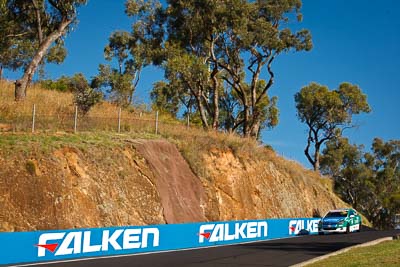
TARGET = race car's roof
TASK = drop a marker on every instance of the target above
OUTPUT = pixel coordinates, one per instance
(339, 210)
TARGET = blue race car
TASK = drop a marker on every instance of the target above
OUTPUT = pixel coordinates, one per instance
(340, 221)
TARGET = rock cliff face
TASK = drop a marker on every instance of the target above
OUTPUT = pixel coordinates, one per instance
(181, 192)
(149, 182)
(250, 188)
(70, 188)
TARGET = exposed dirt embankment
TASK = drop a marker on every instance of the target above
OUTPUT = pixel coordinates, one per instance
(142, 182)
(71, 188)
(247, 188)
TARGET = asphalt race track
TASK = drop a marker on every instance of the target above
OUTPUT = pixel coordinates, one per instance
(282, 252)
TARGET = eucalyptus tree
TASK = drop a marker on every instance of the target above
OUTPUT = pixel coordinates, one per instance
(85, 97)
(384, 162)
(165, 98)
(193, 28)
(327, 113)
(345, 163)
(120, 81)
(217, 50)
(236, 41)
(256, 34)
(370, 181)
(189, 75)
(36, 29)
(132, 51)
(15, 50)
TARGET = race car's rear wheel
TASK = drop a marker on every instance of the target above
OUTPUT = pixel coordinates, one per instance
(359, 227)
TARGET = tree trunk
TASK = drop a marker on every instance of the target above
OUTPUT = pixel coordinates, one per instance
(316, 159)
(215, 103)
(307, 149)
(246, 122)
(202, 112)
(22, 84)
(255, 129)
(215, 84)
(1, 72)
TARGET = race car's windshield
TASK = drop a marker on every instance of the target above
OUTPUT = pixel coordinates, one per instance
(336, 214)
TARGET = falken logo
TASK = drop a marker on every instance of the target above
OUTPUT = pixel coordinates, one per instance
(295, 226)
(226, 232)
(79, 242)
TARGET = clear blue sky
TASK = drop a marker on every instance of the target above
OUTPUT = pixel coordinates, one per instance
(356, 41)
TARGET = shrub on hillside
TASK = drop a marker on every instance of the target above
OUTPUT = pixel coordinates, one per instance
(61, 84)
(85, 97)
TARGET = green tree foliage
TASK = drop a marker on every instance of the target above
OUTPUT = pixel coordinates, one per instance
(193, 27)
(62, 84)
(345, 163)
(261, 30)
(384, 161)
(232, 112)
(221, 35)
(219, 52)
(117, 85)
(188, 74)
(132, 52)
(11, 57)
(370, 182)
(122, 81)
(326, 113)
(165, 99)
(31, 34)
(85, 97)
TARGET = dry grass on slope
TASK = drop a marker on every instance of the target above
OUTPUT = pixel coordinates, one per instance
(55, 112)
(48, 102)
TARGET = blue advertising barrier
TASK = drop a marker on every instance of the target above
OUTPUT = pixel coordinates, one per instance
(41, 246)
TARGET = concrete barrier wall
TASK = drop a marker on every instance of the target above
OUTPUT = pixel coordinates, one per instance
(41, 246)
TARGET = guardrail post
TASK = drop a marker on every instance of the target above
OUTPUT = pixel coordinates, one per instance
(33, 118)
